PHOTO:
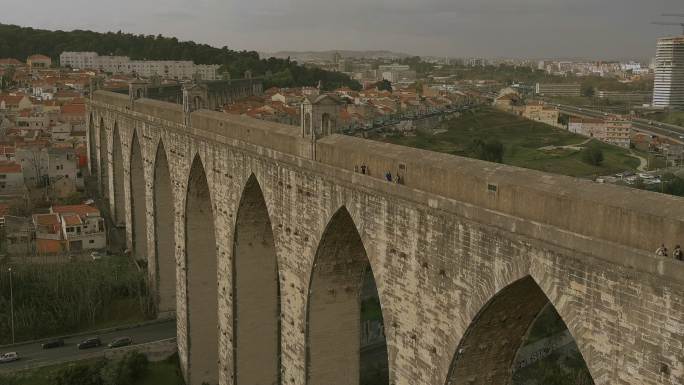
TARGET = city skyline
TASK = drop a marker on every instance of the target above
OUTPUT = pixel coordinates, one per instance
(613, 29)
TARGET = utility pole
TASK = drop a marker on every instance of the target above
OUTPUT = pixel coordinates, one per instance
(11, 303)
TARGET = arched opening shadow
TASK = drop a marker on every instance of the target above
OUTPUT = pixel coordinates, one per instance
(518, 338)
(202, 299)
(92, 146)
(117, 160)
(165, 236)
(256, 294)
(138, 202)
(345, 335)
(104, 181)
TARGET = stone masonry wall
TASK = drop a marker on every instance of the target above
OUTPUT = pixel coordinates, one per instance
(436, 262)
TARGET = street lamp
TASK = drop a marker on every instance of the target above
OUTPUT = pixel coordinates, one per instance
(11, 304)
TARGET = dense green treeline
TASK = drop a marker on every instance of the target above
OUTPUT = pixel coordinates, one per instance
(55, 299)
(20, 42)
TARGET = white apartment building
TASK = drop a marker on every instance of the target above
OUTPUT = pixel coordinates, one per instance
(668, 88)
(172, 69)
(397, 73)
(613, 130)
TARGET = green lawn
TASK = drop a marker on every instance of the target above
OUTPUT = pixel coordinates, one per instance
(522, 140)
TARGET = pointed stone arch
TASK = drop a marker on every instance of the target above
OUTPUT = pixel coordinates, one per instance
(202, 296)
(341, 273)
(487, 351)
(256, 292)
(138, 200)
(165, 235)
(118, 178)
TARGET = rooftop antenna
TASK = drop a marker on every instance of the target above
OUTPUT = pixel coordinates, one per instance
(669, 22)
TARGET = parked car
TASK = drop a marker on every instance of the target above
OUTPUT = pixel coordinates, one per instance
(89, 343)
(9, 357)
(58, 343)
(119, 342)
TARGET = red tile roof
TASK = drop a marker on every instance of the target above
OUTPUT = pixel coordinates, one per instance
(10, 62)
(11, 99)
(38, 57)
(10, 168)
(46, 219)
(74, 109)
(75, 209)
(71, 219)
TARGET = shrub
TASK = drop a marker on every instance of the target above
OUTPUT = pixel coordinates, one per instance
(130, 368)
(592, 156)
(80, 374)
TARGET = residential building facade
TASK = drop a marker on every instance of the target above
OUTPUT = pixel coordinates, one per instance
(613, 129)
(558, 89)
(173, 69)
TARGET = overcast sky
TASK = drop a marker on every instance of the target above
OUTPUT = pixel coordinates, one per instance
(601, 29)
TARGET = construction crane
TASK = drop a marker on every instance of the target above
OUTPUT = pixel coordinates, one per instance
(669, 22)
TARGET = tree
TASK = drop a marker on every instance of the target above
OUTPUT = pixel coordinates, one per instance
(593, 156)
(588, 91)
(28, 41)
(384, 85)
(492, 150)
(674, 185)
(80, 374)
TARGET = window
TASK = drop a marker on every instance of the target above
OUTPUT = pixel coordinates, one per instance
(492, 188)
(91, 241)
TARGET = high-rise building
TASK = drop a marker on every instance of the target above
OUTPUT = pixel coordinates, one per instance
(668, 89)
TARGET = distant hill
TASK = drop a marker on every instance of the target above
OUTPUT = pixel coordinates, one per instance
(21, 42)
(327, 55)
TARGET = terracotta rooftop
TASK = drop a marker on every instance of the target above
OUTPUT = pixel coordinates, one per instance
(71, 219)
(46, 219)
(10, 62)
(4, 209)
(74, 109)
(10, 168)
(38, 57)
(82, 210)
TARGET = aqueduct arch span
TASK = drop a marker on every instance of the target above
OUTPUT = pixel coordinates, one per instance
(442, 245)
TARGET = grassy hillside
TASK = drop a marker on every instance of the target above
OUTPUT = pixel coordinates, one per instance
(19, 42)
(526, 144)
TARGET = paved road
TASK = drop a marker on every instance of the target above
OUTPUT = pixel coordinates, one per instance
(673, 132)
(32, 353)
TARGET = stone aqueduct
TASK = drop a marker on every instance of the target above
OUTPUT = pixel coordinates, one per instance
(257, 240)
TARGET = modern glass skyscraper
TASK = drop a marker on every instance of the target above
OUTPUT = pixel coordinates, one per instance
(668, 90)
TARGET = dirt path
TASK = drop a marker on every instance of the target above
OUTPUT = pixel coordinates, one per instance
(643, 162)
(576, 147)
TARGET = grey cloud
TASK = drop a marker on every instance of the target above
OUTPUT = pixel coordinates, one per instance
(533, 28)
